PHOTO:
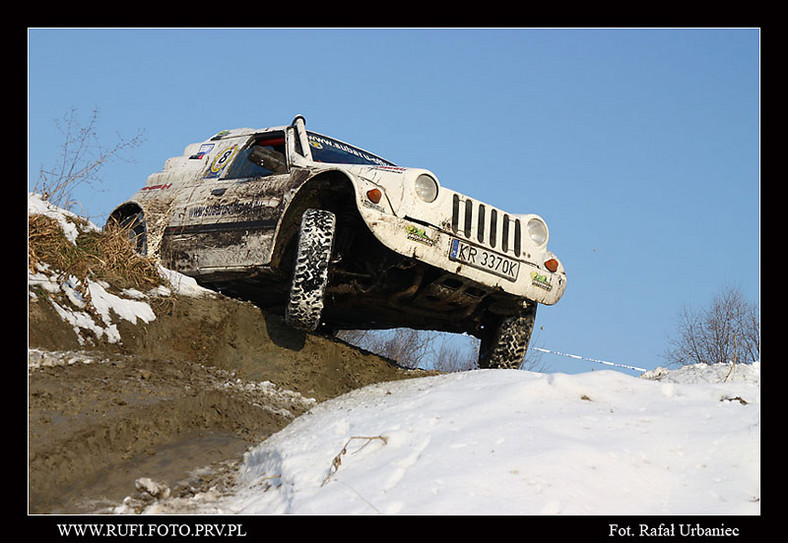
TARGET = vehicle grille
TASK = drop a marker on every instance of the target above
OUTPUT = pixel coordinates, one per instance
(483, 224)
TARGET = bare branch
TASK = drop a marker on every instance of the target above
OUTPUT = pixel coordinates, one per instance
(80, 160)
(337, 461)
(727, 331)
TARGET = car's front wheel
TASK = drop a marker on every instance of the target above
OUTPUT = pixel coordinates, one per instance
(506, 342)
(310, 272)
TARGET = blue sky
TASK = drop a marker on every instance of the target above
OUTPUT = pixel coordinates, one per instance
(640, 147)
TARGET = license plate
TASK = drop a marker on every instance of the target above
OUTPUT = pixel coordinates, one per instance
(482, 259)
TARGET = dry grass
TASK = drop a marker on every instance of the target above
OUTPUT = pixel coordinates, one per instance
(101, 255)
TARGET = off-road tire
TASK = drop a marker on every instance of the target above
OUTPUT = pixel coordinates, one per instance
(506, 344)
(310, 272)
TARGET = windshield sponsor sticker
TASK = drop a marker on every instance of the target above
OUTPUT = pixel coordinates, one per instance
(319, 142)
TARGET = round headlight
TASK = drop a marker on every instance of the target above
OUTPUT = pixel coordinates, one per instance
(426, 188)
(537, 230)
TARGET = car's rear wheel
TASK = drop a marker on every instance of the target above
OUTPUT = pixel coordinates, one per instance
(134, 225)
(506, 342)
(310, 272)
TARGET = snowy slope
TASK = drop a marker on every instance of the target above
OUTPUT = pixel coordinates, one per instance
(513, 442)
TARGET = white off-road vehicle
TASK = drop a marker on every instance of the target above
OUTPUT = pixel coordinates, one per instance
(333, 237)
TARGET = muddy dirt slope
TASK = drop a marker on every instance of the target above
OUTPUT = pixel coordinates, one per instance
(171, 407)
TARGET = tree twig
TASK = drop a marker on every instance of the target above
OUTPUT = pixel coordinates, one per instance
(337, 461)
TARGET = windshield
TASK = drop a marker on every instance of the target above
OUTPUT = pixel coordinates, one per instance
(335, 152)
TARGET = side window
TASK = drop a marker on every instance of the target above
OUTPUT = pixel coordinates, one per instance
(261, 157)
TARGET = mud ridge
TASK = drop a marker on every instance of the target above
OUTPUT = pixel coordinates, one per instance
(176, 402)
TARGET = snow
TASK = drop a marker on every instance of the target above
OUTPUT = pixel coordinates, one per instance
(66, 219)
(512, 442)
(670, 442)
(131, 305)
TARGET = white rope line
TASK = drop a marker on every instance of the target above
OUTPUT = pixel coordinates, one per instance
(578, 357)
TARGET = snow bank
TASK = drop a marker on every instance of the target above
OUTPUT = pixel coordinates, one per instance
(97, 311)
(704, 373)
(67, 220)
(510, 442)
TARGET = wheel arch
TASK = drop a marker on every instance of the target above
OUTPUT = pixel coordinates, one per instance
(124, 211)
(131, 216)
(332, 190)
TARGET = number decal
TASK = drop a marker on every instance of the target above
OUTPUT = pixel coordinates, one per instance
(222, 160)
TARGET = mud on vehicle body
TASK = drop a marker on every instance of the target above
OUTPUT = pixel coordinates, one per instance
(334, 237)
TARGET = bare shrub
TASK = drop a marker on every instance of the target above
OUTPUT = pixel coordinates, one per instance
(408, 347)
(727, 331)
(425, 349)
(451, 355)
